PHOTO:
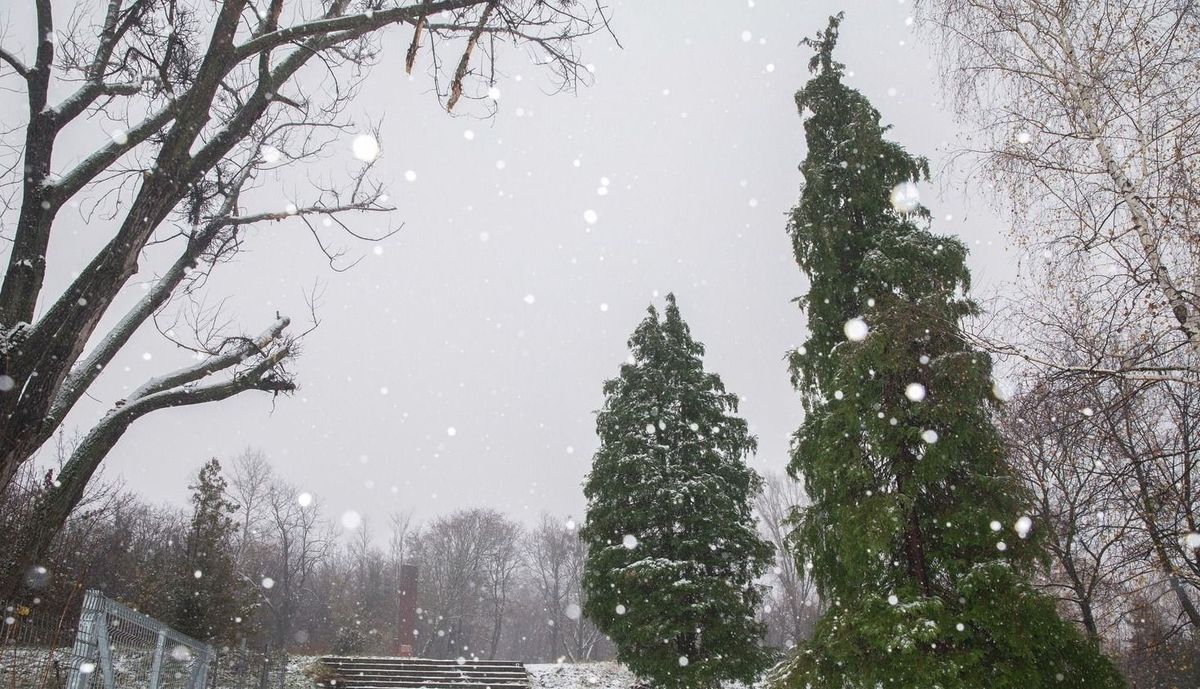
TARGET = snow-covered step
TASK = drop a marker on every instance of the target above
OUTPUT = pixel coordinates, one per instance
(359, 672)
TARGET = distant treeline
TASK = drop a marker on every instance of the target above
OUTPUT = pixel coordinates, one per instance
(256, 558)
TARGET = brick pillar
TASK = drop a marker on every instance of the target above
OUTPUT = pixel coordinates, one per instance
(408, 609)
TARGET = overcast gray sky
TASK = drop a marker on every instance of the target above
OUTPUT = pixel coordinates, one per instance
(499, 310)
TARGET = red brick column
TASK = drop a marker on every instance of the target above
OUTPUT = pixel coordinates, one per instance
(408, 610)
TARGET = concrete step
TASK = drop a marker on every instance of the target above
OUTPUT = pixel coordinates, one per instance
(465, 667)
(354, 683)
(352, 671)
(375, 674)
(448, 665)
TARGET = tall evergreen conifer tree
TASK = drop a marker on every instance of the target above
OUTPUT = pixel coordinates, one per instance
(672, 549)
(915, 535)
(210, 598)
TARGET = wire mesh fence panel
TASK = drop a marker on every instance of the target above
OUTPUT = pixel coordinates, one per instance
(129, 649)
(36, 646)
(94, 642)
(243, 668)
(105, 646)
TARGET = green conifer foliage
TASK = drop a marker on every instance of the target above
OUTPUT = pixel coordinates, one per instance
(672, 548)
(210, 597)
(914, 536)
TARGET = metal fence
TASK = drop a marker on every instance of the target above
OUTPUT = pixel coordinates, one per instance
(243, 668)
(120, 647)
(106, 645)
(35, 646)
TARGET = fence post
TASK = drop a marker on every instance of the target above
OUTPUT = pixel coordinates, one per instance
(265, 675)
(202, 672)
(84, 650)
(243, 666)
(156, 669)
(199, 667)
(105, 648)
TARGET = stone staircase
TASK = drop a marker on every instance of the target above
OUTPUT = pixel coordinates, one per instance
(350, 672)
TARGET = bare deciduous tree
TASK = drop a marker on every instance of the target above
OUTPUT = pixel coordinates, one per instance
(1112, 462)
(583, 641)
(502, 561)
(200, 99)
(555, 555)
(1088, 120)
(792, 598)
(468, 563)
(1153, 428)
(1078, 508)
(547, 550)
(249, 487)
(299, 541)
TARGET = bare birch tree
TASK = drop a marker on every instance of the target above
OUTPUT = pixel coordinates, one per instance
(1087, 120)
(200, 99)
(582, 640)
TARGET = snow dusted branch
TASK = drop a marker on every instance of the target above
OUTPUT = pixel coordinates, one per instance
(266, 353)
(1138, 373)
(264, 358)
(216, 363)
(317, 209)
(14, 62)
(200, 108)
(360, 23)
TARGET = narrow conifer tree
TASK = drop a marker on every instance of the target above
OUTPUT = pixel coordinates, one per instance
(915, 536)
(672, 549)
(210, 598)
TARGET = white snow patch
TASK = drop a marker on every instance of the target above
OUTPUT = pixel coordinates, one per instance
(596, 675)
(604, 675)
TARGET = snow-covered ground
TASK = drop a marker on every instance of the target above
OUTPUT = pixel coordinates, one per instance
(604, 675)
(607, 675)
(598, 675)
